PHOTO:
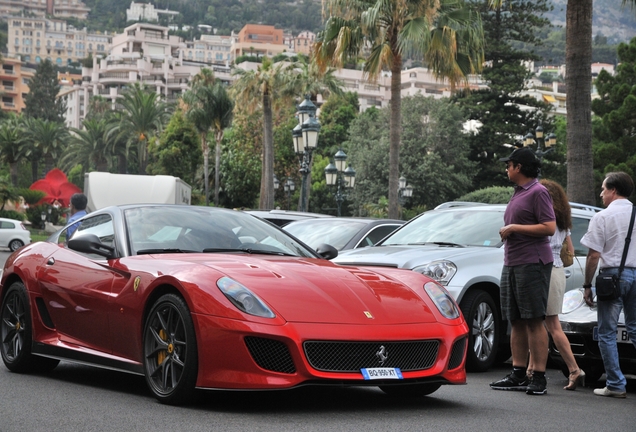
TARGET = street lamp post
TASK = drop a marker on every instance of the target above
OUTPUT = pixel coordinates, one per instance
(43, 216)
(289, 188)
(305, 138)
(539, 139)
(404, 191)
(342, 177)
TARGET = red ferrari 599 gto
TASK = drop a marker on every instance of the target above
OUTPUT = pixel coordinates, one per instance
(196, 297)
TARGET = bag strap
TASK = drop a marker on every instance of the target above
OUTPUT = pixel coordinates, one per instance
(628, 239)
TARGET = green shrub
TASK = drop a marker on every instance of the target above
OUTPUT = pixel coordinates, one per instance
(12, 214)
(489, 195)
(31, 196)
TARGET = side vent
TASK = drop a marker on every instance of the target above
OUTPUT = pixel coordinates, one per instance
(44, 313)
(270, 354)
(457, 354)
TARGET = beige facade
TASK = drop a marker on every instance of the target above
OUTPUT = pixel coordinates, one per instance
(37, 39)
(304, 42)
(143, 53)
(211, 49)
(15, 84)
(259, 40)
(42, 8)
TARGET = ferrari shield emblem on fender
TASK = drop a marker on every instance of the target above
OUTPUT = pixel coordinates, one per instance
(368, 314)
(136, 283)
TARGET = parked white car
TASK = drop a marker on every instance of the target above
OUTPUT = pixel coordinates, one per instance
(13, 234)
(458, 244)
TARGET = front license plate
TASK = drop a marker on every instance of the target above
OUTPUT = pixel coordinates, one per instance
(621, 335)
(381, 373)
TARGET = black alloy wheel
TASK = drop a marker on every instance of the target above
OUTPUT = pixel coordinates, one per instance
(16, 333)
(170, 351)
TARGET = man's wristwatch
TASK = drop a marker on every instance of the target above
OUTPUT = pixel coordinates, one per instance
(587, 286)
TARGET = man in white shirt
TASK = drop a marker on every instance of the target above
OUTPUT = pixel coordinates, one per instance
(605, 239)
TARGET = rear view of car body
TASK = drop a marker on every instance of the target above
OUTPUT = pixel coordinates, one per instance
(13, 234)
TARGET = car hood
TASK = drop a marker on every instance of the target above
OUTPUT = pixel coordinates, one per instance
(585, 314)
(318, 291)
(411, 256)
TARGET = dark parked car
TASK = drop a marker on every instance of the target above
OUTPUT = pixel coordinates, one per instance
(283, 217)
(580, 325)
(342, 232)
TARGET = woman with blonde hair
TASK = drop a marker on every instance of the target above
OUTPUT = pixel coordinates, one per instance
(563, 215)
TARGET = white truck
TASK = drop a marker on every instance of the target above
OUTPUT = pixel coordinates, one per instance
(105, 189)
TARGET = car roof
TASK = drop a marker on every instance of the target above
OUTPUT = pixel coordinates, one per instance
(358, 219)
(577, 208)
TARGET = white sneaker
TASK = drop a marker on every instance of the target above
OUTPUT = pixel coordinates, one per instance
(609, 393)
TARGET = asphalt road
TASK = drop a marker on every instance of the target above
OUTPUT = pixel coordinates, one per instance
(81, 398)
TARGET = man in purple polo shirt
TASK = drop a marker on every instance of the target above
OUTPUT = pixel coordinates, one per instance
(529, 221)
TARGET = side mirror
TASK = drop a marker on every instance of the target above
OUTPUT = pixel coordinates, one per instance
(326, 251)
(90, 243)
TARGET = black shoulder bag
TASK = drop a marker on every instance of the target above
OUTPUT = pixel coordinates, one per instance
(608, 287)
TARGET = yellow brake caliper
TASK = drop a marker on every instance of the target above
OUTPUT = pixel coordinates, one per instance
(163, 354)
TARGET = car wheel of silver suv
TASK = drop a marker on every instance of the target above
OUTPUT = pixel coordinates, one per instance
(482, 316)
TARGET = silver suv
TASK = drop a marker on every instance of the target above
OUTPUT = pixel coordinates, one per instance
(458, 244)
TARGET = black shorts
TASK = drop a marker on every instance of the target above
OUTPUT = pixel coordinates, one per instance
(524, 291)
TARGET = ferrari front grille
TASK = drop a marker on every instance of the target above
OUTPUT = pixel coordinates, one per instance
(352, 356)
(270, 354)
(457, 354)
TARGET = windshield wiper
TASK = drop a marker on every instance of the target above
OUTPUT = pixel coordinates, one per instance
(160, 251)
(248, 250)
(436, 243)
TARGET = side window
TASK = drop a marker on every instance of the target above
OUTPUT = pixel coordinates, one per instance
(6, 225)
(579, 228)
(377, 234)
(100, 225)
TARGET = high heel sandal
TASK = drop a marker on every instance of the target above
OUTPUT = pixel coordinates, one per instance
(575, 378)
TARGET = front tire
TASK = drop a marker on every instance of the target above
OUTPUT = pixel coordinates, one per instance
(482, 317)
(410, 391)
(170, 351)
(16, 334)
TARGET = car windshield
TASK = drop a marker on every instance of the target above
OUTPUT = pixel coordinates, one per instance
(198, 229)
(466, 227)
(316, 231)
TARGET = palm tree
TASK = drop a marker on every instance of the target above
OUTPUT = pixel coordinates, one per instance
(263, 88)
(11, 139)
(90, 146)
(48, 137)
(223, 107)
(144, 114)
(387, 30)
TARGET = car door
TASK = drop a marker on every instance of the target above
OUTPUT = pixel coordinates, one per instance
(76, 288)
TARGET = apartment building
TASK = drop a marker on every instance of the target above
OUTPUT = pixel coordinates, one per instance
(146, 12)
(211, 49)
(259, 40)
(15, 84)
(304, 42)
(37, 39)
(143, 53)
(42, 8)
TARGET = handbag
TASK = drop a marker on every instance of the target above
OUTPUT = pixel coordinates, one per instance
(608, 287)
(566, 256)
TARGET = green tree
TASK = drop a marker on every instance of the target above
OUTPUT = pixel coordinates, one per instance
(42, 102)
(178, 152)
(11, 140)
(143, 116)
(222, 106)
(445, 32)
(497, 109)
(48, 138)
(263, 89)
(435, 157)
(90, 147)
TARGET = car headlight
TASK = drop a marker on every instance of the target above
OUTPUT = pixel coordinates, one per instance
(442, 271)
(243, 298)
(572, 300)
(442, 299)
